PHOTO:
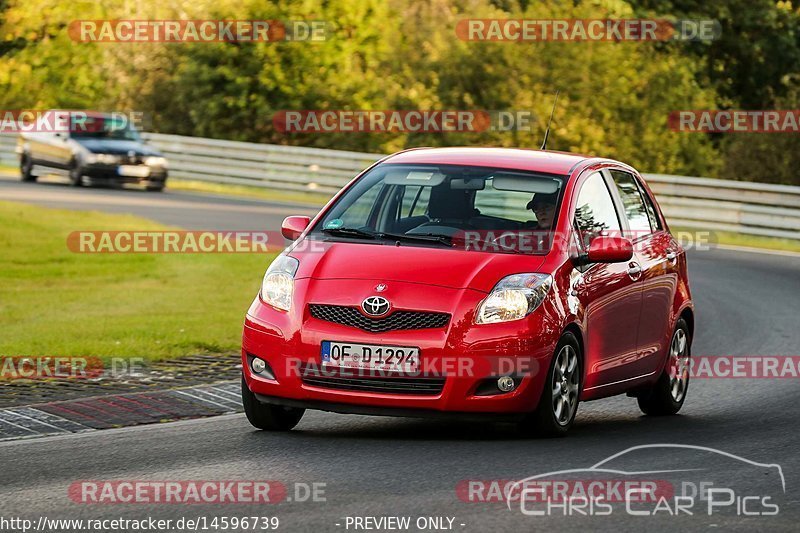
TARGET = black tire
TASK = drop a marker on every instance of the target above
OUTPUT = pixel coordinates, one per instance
(661, 400)
(269, 417)
(544, 421)
(26, 168)
(155, 188)
(75, 174)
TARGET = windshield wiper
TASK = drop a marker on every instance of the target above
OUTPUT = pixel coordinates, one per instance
(363, 234)
(350, 232)
(429, 237)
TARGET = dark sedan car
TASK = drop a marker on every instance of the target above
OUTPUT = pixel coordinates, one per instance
(103, 150)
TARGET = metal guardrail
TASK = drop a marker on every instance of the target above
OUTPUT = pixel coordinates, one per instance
(698, 203)
(270, 166)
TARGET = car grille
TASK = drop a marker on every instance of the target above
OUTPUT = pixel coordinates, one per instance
(351, 316)
(355, 380)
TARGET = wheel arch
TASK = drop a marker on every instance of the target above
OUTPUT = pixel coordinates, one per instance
(575, 329)
(687, 313)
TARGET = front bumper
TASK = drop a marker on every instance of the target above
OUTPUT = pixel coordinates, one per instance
(111, 173)
(465, 355)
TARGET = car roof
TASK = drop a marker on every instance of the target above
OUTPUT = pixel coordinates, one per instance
(560, 163)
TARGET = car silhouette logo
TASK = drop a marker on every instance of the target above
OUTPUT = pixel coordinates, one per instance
(376, 306)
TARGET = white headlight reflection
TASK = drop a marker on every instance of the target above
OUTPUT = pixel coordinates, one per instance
(514, 297)
(277, 287)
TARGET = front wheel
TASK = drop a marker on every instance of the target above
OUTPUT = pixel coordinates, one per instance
(26, 168)
(268, 417)
(559, 402)
(75, 174)
(668, 394)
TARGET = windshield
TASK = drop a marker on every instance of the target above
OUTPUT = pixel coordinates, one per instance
(104, 128)
(447, 205)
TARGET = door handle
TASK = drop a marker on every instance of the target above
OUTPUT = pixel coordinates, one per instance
(635, 271)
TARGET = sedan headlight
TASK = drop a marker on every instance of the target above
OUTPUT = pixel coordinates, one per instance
(278, 285)
(107, 159)
(155, 161)
(514, 297)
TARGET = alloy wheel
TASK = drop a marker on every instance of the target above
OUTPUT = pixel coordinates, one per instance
(566, 380)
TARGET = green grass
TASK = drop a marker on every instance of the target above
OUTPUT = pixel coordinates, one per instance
(310, 198)
(56, 302)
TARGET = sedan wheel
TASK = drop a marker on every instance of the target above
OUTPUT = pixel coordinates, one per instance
(26, 168)
(75, 174)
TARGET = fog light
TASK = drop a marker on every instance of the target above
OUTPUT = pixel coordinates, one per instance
(258, 365)
(506, 383)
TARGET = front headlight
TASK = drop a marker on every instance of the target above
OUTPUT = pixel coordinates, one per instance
(155, 161)
(107, 159)
(277, 287)
(514, 297)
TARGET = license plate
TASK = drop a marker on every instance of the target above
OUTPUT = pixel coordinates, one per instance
(370, 356)
(135, 171)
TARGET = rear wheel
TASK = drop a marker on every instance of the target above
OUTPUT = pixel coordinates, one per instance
(559, 402)
(155, 188)
(269, 417)
(668, 394)
(26, 168)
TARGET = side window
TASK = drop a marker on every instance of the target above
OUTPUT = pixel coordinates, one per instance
(595, 213)
(655, 223)
(633, 202)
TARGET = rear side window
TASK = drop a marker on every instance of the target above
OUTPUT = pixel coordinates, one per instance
(595, 213)
(655, 223)
(633, 202)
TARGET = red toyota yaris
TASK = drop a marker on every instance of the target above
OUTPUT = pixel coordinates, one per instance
(500, 284)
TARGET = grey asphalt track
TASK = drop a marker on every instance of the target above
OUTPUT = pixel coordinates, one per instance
(747, 304)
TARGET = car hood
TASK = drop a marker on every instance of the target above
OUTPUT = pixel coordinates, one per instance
(443, 267)
(116, 146)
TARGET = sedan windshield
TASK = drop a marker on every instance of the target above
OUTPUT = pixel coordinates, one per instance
(104, 128)
(482, 208)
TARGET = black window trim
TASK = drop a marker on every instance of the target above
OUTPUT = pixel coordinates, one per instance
(615, 200)
(621, 205)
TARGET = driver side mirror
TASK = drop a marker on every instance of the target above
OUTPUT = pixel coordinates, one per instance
(610, 250)
(604, 249)
(294, 226)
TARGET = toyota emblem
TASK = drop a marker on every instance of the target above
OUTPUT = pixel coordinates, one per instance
(376, 305)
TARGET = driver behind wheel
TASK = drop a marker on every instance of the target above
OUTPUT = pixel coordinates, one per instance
(544, 207)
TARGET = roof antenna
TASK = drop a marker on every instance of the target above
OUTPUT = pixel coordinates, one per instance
(547, 131)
